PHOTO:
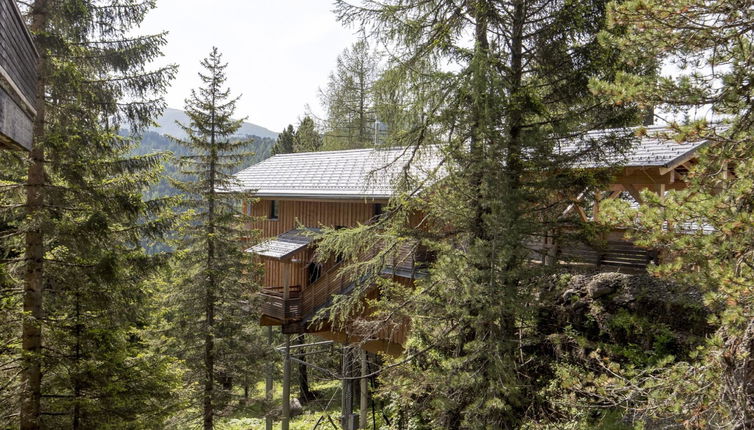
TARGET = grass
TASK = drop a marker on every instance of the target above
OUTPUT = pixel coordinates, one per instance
(251, 416)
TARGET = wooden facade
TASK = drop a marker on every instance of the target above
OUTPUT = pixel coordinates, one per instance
(18, 78)
(306, 296)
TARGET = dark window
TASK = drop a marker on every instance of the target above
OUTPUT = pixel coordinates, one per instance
(314, 271)
(274, 209)
(377, 209)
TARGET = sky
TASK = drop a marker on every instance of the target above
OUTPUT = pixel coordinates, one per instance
(279, 52)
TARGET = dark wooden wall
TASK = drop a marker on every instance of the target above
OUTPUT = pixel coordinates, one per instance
(18, 77)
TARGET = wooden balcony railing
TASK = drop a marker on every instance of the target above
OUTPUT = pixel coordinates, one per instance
(276, 306)
(303, 303)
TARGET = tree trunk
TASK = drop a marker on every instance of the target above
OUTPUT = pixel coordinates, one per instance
(305, 393)
(31, 332)
(209, 341)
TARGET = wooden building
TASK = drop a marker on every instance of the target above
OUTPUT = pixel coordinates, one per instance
(18, 79)
(298, 194)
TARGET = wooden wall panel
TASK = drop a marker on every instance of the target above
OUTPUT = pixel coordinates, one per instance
(308, 213)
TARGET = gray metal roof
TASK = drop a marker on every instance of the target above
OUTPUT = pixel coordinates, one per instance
(286, 244)
(652, 149)
(371, 173)
(359, 173)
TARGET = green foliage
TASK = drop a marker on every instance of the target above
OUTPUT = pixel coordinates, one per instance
(211, 315)
(307, 138)
(285, 142)
(88, 216)
(704, 231)
(493, 117)
(349, 98)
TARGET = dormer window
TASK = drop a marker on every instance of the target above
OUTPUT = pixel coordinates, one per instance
(274, 209)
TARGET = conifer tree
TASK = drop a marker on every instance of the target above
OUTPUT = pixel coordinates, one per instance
(307, 138)
(495, 118)
(285, 141)
(349, 98)
(213, 295)
(707, 227)
(82, 266)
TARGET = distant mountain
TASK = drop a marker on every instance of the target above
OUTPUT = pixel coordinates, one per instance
(167, 125)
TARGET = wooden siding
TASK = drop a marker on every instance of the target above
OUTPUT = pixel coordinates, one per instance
(309, 214)
(18, 78)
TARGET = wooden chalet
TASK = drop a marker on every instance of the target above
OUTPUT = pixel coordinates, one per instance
(18, 79)
(300, 193)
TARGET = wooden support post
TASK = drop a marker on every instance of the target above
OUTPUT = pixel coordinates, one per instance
(286, 290)
(286, 384)
(268, 382)
(364, 393)
(346, 418)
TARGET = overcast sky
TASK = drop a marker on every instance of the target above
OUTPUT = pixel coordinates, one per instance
(279, 51)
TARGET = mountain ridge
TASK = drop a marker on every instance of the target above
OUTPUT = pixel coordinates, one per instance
(166, 125)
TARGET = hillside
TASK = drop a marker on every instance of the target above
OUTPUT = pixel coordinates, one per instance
(156, 140)
(167, 125)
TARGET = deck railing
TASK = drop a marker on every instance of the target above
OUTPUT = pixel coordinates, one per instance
(276, 306)
(303, 303)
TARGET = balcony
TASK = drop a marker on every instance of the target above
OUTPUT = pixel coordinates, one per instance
(274, 304)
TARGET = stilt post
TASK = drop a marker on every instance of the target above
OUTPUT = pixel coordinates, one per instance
(268, 382)
(286, 384)
(364, 392)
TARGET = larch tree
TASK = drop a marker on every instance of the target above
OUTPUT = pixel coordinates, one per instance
(212, 295)
(348, 98)
(78, 221)
(707, 228)
(499, 85)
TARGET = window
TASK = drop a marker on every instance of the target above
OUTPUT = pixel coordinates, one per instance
(247, 208)
(377, 210)
(314, 271)
(274, 209)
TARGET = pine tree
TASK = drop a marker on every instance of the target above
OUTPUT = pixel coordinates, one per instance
(517, 88)
(307, 138)
(212, 296)
(349, 99)
(707, 227)
(285, 141)
(82, 222)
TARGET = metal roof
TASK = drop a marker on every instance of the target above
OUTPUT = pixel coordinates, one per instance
(371, 173)
(286, 244)
(652, 149)
(359, 173)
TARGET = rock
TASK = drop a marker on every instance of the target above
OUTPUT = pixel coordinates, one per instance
(604, 284)
(296, 410)
(568, 295)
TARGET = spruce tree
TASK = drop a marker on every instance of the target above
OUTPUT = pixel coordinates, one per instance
(285, 141)
(495, 118)
(212, 294)
(307, 138)
(82, 220)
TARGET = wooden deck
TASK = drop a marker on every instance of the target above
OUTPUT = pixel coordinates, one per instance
(18, 78)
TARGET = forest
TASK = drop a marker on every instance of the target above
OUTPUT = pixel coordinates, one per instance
(130, 298)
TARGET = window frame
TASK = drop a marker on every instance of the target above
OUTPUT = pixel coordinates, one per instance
(274, 213)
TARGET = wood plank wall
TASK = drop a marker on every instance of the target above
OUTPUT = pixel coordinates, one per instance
(308, 213)
(17, 55)
(18, 78)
